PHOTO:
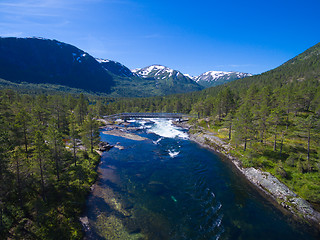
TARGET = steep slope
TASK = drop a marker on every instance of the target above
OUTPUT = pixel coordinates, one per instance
(35, 60)
(214, 78)
(167, 80)
(115, 67)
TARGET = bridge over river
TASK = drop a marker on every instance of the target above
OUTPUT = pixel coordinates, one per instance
(126, 116)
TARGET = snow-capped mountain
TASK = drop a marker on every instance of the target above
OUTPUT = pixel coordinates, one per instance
(167, 78)
(214, 78)
(115, 67)
(157, 72)
(189, 76)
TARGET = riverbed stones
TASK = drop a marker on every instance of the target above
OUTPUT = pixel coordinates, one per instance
(104, 146)
(119, 147)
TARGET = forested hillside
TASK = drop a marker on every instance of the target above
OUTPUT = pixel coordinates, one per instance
(271, 120)
(47, 164)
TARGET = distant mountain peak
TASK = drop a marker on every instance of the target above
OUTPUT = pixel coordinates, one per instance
(214, 78)
(169, 78)
(155, 70)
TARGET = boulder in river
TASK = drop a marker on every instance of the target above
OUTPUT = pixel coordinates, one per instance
(104, 146)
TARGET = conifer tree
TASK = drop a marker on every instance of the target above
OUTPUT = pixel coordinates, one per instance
(41, 157)
(74, 135)
(244, 124)
(55, 142)
(276, 123)
(21, 128)
(81, 108)
(90, 132)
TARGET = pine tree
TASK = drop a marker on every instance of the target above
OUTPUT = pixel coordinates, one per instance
(81, 109)
(90, 132)
(275, 124)
(244, 124)
(40, 156)
(21, 128)
(74, 135)
(55, 142)
(229, 123)
(5, 176)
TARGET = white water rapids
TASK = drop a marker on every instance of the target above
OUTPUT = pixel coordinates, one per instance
(165, 128)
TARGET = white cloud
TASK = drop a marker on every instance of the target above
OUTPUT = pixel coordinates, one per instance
(11, 34)
(235, 65)
(24, 17)
(45, 8)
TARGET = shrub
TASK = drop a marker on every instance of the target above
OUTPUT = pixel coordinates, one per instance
(292, 159)
(281, 171)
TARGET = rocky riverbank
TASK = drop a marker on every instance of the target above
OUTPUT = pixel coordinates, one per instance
(265, 181)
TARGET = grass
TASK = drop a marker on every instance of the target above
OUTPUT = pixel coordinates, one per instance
(291, 167)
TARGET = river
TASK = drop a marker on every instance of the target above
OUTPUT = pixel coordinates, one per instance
(168, 187)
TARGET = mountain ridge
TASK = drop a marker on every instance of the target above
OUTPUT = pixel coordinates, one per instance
(167, 78)
(46, 61)
(214, 78)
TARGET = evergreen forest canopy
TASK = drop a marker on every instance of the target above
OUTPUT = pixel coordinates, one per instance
(47, 163)
(272, 120)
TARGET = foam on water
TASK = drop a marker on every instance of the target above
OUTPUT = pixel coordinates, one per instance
(143, 123)
(157, 141)
(165, 128)
(173, 154)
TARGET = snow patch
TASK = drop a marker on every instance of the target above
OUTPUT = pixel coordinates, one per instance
(100, 60)
(212, 76)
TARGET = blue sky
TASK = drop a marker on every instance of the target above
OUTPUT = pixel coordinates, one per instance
(190, 36)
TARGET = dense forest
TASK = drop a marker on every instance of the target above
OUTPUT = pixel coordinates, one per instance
(271, 120)
(47, 163)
